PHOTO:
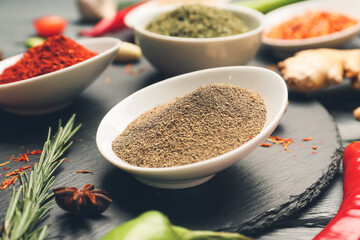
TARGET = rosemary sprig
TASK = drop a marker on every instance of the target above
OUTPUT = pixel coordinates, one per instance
(31, 201)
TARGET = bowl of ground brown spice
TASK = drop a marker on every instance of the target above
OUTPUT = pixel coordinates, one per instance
(180, 38)
(180, 132)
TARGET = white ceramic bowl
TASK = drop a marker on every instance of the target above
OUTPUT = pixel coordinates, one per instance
(349, 8)
(53, 91)
(176, 55)
(267, 83)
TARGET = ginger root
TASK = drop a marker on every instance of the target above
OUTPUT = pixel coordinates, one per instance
(314, 69)
(356, 113)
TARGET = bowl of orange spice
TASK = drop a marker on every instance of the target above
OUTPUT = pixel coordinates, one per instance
(46, 78)
(312, 24)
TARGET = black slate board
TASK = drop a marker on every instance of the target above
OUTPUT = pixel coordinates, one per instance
(268, 185)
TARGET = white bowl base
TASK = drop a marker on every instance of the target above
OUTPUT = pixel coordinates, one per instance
(176, 184)
(36, 110)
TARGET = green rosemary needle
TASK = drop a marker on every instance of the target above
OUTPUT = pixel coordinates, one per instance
(32, 200)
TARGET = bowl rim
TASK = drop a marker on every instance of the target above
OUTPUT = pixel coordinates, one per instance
(258, 16)
(116, 42)
(301, 8)
(208, 162)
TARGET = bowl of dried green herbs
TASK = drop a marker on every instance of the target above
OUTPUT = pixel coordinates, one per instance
(179, 38)
(180, 132)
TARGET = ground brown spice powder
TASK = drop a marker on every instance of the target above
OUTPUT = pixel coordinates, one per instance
(210, 121)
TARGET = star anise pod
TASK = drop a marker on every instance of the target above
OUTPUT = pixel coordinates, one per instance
(85, 202)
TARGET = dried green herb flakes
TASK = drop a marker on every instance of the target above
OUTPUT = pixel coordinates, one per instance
(198, 21)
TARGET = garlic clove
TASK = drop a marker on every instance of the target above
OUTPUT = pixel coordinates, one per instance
(128, 52)
(96, 9)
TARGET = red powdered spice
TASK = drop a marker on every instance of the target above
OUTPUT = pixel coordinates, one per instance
(55, 53)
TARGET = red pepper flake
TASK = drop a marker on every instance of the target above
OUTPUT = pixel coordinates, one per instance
(265, 145)
(23, 158)
(7, 183)
(84, 171)
(129, 70)
(314, 147)
(2, 164)
(307, 139)
(295, 155)
(35, 152)
(17, 171)
(128, 67)
(282, 141)
(11, 174)
(313, 152)
(21, 169)
(6, 168)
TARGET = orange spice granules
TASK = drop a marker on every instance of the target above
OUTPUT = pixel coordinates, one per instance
(8, 182)
(281, 141)
(130, 70)
(17, 171)
(23, 157)
(287, 142)
(311, 24)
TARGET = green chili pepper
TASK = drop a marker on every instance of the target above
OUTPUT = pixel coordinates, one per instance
(153, 225)
(265, 6)
(34, 41)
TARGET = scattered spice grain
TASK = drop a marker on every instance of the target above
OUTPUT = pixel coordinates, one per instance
(205, 123)
(2, 164)
(23, 158)
(84, 171)
(307, 139)
(265, 145)
(281, 141)
(8, 182)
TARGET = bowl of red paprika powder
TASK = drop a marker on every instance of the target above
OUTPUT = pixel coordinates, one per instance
(47, 78)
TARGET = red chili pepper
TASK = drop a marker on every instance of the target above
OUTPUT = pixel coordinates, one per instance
(106, 25)
(346, 222)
